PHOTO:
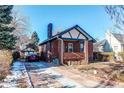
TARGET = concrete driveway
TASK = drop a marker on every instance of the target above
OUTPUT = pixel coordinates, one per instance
(43, 75)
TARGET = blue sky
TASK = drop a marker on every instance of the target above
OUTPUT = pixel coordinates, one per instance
(93, 19)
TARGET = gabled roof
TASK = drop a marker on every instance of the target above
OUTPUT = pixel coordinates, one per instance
(119, 37)
(67, 30)
(99, 44)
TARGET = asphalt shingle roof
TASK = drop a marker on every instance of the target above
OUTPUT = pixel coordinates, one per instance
(119, 37)
(98, 44)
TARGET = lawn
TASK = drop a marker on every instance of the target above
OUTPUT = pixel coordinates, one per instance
(106, 70)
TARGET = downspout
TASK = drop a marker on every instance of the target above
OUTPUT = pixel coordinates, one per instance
(61, 50)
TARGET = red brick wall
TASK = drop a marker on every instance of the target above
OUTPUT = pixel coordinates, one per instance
(90, 49)
(76, 45)
(54, 48)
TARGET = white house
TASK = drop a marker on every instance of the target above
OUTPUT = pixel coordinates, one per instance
(116, 41)
(113, 42)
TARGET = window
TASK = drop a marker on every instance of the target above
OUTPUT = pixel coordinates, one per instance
(44, 48)
(101, 49)
(81, 47)
(70, 47)
(122, 47)
(115, 47)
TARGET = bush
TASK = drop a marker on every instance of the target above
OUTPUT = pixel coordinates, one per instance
(121, 76)
(22, 55)
(3, 74)
(22, 83)
(5, 62)
(121, 54)
(110, 55)
(16, 55)
(103, 56)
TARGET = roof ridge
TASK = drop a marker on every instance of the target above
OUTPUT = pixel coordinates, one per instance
(117, 33)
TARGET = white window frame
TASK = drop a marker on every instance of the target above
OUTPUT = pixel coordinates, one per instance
(115, 48)
(81, 47)
(70, 46)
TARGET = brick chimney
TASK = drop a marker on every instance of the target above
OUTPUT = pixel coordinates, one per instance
(49, 35)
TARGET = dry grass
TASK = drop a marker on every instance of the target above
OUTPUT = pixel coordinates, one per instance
(22, 83)
(121, 77)
(5, 61)
(45, 80)
(91, 66)
(110, 71)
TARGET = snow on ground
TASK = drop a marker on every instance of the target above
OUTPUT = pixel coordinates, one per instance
(68, 83)
(48, 75)
(18, 72)
(47, 68)
(39, 70)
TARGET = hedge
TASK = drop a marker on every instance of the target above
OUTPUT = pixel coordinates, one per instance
(103, 56)
(5, 62)
(121, 54)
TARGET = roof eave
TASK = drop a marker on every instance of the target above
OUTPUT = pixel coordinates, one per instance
(48, 40)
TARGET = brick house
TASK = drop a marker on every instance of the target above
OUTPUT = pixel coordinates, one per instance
(73, 46)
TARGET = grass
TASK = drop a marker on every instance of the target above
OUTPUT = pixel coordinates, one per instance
(2, 77)
(120, 76)
(113, 71)
(22, 83)
(91, 66)
(5, 62)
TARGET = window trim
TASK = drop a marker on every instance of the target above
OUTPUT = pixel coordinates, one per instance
(70, 45)
(81, 47)
(115, 48)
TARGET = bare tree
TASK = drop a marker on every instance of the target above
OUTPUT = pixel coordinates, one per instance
(20, 22)
(22, 27)
(116, 13)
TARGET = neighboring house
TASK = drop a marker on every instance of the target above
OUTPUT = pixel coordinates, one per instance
(101, 46)
(116, 41)
(71, 45)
